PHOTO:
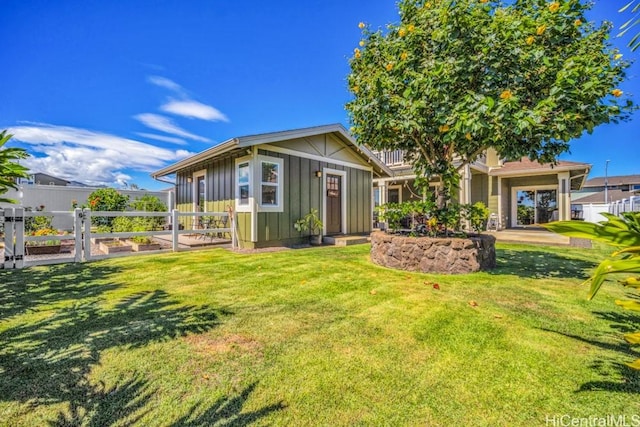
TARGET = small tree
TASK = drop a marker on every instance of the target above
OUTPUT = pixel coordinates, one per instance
(456, 77)
(10, 169)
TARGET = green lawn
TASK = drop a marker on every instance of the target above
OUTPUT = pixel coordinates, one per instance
(311, 337)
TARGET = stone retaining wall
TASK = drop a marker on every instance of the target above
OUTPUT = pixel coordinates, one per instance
(434, 254)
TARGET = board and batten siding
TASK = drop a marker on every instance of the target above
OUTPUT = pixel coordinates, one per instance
(219, 188)
(303, 192)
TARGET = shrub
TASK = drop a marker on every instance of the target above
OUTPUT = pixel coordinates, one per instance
(106, 199)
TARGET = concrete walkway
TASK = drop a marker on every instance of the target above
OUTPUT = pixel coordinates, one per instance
(530, 235)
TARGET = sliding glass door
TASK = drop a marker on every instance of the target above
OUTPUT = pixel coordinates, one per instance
(535, 206)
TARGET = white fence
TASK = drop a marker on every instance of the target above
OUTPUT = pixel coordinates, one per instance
(59, 198)
(81, 238)
(632, 204)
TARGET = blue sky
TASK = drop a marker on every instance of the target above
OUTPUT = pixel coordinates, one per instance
(107, 91)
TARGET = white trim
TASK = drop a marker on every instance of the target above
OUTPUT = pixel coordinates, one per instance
(236, 190)
(303, 155)
(194, 189)
(393, 187)
(279, 206)
(343, 194)
(514, 196)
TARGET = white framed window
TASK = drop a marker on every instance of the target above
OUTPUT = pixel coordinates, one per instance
(270, 185)
(243, 185)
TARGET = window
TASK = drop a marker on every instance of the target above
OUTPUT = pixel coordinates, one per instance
(259, 179)
(244, 184)
(269, 183)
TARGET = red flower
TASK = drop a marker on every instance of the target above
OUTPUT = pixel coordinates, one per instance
(436, 286)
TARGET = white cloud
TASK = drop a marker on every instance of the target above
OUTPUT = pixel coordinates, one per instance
(162, 138)
(92, 157)
(194, 110)
(165, 83)
(163, 124)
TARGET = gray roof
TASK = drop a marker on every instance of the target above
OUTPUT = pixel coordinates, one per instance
(613, 180)
(266, 138)
(598, 197)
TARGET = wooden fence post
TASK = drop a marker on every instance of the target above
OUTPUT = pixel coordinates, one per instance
(175, 228)
(86, 213)
(77, 234)
(18, 224)
(8, 238)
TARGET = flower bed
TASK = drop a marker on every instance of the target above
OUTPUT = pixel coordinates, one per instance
(450, 255)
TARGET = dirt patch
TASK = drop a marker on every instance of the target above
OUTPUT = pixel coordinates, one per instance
(225, 344)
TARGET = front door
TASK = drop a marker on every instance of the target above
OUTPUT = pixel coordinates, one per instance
(334, 204)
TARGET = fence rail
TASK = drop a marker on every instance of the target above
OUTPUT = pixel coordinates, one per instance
(19, 245)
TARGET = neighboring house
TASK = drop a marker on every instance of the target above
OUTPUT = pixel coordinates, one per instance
(517, 193)
(40, 178)
(273, 179)
(622, 194)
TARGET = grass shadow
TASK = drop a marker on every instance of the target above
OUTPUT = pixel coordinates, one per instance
(25, 290)
(616, 375)
(48, 358)
(537, 264)
(226, 412)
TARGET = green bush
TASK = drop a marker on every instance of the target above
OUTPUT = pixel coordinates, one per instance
(424, 217)
(106, 199)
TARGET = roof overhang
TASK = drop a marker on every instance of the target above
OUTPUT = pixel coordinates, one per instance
(249, 141)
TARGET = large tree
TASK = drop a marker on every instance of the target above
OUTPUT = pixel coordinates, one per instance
(455, 77)
(10, 169)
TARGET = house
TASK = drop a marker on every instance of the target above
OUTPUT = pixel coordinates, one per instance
(518, 193)
(622, 194)
(273, 179)
(40, 178)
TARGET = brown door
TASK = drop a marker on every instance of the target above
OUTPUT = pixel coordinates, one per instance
(334, 204)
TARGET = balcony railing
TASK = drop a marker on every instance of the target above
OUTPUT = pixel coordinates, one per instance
(391, 158)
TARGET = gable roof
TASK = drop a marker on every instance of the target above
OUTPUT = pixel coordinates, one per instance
(266, 138)
(613, 180)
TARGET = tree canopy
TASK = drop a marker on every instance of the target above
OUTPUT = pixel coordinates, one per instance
(10, 169)
(456, 77)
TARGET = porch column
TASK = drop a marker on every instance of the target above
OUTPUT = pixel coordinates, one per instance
(383, 192)
(564, 197)
(466, 198)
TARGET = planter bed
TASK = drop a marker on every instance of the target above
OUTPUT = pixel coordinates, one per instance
(452, 255)
(114, 246)
(42, 249)
(139, 247)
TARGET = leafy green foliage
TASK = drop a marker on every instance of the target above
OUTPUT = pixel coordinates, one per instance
(10, 169)
(33, 224)
(634, 43)
(310, 222)
(425, 217)
(624, 233)
(455, 78)
(148, 203)
(106, 199)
